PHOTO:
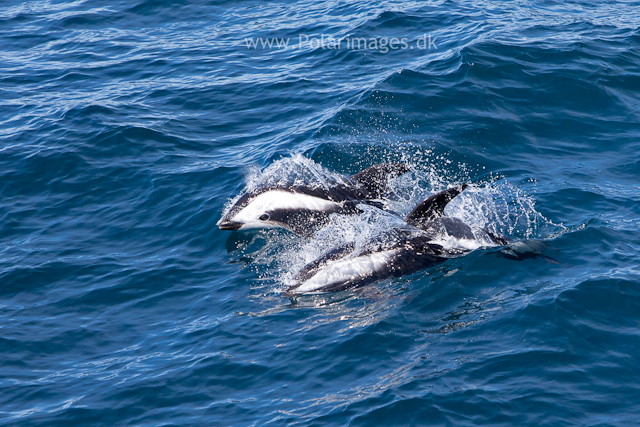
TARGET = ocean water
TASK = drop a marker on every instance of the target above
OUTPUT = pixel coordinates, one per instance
(126, 127)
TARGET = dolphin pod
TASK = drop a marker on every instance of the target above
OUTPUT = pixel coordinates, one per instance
(412, 247)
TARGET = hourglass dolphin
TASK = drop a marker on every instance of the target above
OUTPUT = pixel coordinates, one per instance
(303, 209)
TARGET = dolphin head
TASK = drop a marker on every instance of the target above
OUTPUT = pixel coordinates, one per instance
(250, 211)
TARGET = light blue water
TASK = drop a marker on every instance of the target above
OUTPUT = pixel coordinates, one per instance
(125, 128)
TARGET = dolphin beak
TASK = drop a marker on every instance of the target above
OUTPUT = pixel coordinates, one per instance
(230, 225)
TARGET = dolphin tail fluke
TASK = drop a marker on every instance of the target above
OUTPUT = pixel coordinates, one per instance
(433, 206)
(376, 178)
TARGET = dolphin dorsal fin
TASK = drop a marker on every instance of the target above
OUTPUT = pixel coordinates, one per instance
(375, 179)
(433, 206)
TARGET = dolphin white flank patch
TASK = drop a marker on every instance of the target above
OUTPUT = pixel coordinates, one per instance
(346, 270)
(279, 199)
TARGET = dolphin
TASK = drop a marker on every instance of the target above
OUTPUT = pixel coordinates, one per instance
(411, 248)
(335, 272)
(303, 209)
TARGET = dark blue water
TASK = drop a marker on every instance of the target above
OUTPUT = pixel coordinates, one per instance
(126, 126)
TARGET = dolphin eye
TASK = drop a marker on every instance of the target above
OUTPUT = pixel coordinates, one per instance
(264, 217)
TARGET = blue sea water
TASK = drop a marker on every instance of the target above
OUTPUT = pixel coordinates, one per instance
(127, 126)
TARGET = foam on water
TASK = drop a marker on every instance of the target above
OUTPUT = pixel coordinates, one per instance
(291, 171)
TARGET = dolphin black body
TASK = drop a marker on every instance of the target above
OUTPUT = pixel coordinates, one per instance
(303, 209)
(334, 272)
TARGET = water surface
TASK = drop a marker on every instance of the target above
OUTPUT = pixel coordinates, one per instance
(125, 128)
